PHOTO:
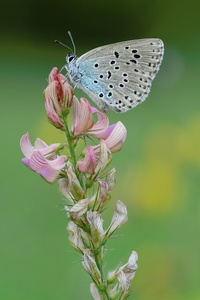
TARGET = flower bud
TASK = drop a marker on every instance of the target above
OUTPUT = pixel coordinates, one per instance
(94, 292)
(111, 277)
(58, 98)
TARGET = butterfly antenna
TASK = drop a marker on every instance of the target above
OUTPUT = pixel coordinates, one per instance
(73, 44)
(58, 42)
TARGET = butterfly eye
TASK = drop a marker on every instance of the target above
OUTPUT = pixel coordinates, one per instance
(70, 57)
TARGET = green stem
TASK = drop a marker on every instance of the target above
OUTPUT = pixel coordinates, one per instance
(105, 296)
(99, 262)
(70, 140)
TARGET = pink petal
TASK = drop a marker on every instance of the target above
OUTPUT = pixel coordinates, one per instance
(49, 169)
(26, 161)
(76, 113)
(40, 144)
(53, 74)
(117, 137)
(82, 117)
(100, 126)
(58, 163)
(26, 146)
(105, 134)
(38, 162)
(89, 163)
(49, 175)
(52, 114)
(51, 94)
(49, 151)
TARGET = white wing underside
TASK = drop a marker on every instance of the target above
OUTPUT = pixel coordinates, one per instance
(119, 76)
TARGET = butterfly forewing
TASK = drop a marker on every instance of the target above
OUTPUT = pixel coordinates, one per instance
(119, 75)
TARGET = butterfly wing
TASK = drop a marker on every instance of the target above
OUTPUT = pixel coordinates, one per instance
(119, 76)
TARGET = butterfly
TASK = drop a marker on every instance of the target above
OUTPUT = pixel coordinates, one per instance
(119, 75)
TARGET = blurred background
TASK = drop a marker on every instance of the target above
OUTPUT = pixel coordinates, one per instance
(158, 169)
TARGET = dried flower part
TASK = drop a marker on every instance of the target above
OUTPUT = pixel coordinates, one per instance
(130, 267)
(110, 179)
(64, 188)
(74, 184)
(124, 282)
(91, 267)
(115, 291)
(119, 218)
(94, 292)
(75, 237)
(78, 209)
(96, 227)
(103, 195)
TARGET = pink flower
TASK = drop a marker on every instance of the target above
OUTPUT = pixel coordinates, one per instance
(52, 115)
(83, 121)
(58, 98)
(95, 162)
(42, 158)
(89, 163)
(114, 137)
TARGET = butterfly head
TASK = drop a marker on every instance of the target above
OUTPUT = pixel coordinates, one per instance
(70, 58)
(72, 68)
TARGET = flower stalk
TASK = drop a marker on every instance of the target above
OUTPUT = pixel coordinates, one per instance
(85, 179)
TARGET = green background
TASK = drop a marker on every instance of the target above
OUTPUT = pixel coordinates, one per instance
(158, 169)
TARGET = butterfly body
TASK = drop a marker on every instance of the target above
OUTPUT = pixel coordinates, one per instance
(117, 76)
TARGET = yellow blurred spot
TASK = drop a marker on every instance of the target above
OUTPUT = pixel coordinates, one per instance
(156, 186)
(158, 182)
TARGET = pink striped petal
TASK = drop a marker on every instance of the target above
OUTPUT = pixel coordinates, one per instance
(117, 137)
(53, 74)
(26, 146)
(48, 169)
(89, 163)
(40, 144)
(82, 116)
(98, 129)
(52, 115)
